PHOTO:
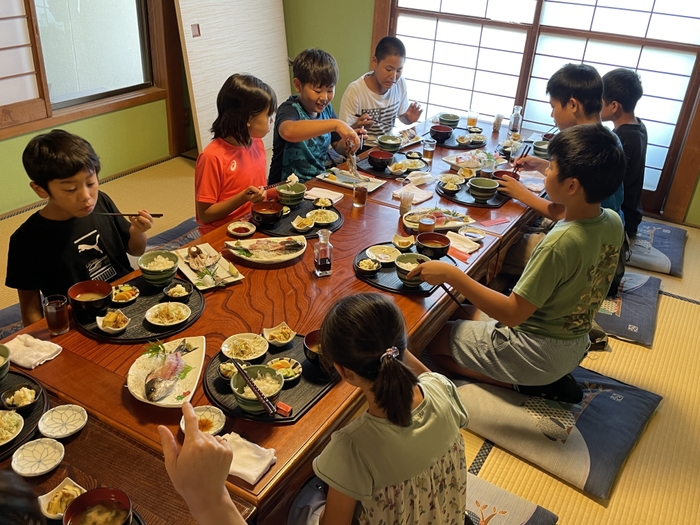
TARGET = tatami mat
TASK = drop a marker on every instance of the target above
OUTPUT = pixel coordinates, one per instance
(659, 481)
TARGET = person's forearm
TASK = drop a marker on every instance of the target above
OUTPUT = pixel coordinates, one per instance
(492, 303)
(209, 213)
(300, 130)
(137, 242)
(30, 306)
(542, 206)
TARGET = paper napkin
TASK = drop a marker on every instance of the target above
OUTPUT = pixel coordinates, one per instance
(250, 461)
(29, 352)
(318, 193)
(462, 243)
(533, 180)
(418, 178)
(418, 194)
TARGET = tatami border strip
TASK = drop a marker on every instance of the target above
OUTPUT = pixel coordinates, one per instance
(680, 297)
(480, 458)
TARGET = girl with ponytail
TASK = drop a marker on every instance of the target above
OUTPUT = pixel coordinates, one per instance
(403, 460)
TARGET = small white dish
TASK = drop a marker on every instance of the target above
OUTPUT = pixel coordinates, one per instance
(397, 168)
(63, 421)
(286, 210)
(451, 177)
(109, 329)
(466, 173)
(241, 229)
(181, 312)
(276, 341)
(258, 344)
(323, 217)
(383, 254)
(298, 224)
(475, 234)
(46, 498)
(294, 368)
(403, 243)
(37, 457)
(20, 419)
(211, 419)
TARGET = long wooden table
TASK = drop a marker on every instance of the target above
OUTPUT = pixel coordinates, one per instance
(93, 374)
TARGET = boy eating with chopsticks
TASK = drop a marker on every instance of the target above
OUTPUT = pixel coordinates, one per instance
(73, 238)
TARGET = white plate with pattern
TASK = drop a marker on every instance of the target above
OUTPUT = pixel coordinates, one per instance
(63, 421)
(37, 457)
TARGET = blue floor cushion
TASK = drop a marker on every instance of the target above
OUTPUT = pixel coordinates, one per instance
(10, 320)
(631, 314)
(584, 444)
(486, 502)
(659, 248)
(175, 237)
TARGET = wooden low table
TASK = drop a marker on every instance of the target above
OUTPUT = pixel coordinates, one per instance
(93, 374)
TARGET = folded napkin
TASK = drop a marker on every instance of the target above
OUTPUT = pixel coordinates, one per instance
(250, 461)
(533, 180)
(29, 352)
(417, 178)
(318, 193)
(461, 243)
(418, 194)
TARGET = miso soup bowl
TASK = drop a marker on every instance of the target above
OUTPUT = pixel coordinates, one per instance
(433, 244)
(268, 212)
(101, 496)
(87, 310)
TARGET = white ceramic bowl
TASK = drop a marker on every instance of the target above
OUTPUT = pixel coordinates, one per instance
(383, 254)
(302, 229)
(109, 329)
(183, 309)
(241, 229)
(211, 418)
(19, 428)
(259, 343)
(267, 334)
(63, 421)
(46, 498)
(403, 243)
(37, 457)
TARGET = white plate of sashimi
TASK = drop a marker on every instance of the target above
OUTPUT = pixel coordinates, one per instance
(268, 250)
(167, 374)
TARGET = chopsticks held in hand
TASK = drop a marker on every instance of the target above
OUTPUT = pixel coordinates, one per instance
(525, 152)
(451, 296)
(273, 185)
(264, 401)
(154, 215)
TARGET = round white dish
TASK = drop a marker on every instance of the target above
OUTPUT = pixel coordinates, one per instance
(383, 254)
(250, 228)
(182, 312)
(258, 343)
(37, 457)
(216, 418)
(63, 421)
(19, 428)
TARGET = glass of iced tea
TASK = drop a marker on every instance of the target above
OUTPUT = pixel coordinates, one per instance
(56, 313)
(360, 189)
(429, 150)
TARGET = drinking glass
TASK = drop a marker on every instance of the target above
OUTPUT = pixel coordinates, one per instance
(56, 313)
(472, 118)
(487, 167)
(360, 189)
(429, 146)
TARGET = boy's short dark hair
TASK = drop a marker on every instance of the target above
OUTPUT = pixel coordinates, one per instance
(622, 85)
(315, 67)
(241, 98)
(58, 155)
(592, 154)
(389, 46)
(579, 81)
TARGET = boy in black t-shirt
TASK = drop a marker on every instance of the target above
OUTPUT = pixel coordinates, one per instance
(622, 89)
(70, 239)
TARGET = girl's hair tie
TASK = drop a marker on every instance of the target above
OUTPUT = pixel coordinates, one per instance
(392, 352)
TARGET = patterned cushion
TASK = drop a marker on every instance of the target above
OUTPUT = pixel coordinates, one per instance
(584, 444)
(175, 237)
(659, 248)
(486, 502)
(10, 321)
(631, 314)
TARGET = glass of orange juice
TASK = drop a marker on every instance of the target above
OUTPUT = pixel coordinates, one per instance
(472, 118)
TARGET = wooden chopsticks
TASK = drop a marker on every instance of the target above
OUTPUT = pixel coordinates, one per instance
(451, 296)
(154, 215)
(526, 150)
(264, 401)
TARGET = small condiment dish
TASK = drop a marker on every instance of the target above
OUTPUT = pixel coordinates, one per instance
(108, 329)
(414, 155)
(403, 244)
(172, 289)
(383, 254)
(211, 420)
(367, 267)
(276, 335)
(470, 232)
(323, 202)
(227, 368)
(241, 229)
(124, 294)
(22, 409)
(288, 367)
(467, 173)
(302, 224)
(397, 168)
(46, 498)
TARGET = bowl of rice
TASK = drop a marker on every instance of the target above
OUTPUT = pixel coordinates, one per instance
(266, 378)
(158, 267)
(407, 262)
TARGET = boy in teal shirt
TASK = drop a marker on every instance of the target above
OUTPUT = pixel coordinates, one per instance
(539, 333)
(306, 124)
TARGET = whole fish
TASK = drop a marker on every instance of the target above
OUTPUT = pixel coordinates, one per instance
(170, 369)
